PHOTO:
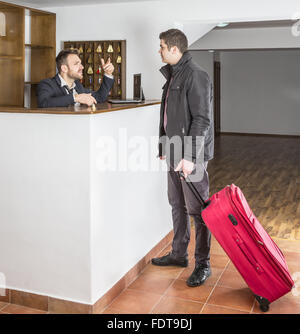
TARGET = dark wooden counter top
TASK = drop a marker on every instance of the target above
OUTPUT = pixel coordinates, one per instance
(100, 108)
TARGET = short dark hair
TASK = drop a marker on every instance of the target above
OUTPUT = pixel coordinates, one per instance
(175, 37)
(61, 58)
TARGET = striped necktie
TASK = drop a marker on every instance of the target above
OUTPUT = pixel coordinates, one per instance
(70, 91)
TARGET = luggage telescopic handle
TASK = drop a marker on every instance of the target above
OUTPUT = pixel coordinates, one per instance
(193, 189)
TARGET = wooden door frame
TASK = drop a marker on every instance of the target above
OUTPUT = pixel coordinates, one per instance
(217, 97)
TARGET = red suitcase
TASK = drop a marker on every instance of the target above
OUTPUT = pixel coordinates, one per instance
(255, 255)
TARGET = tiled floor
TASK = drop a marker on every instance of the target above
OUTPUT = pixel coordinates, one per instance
(163, 289)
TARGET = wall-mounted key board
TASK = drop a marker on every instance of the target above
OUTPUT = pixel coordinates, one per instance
(91, 52)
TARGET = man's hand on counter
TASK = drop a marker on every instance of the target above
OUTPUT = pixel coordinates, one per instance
(87, 99)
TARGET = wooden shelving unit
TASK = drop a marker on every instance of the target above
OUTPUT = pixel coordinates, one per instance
(43, 49)
(12, 52)
(91, 52)
(12, 56)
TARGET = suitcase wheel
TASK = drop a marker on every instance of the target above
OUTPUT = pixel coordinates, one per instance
(264, 308)
(263, 303)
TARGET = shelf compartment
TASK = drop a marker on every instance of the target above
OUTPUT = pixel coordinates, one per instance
(12, 88)
(43, 29)
(44, 64)
(25, 59)
(12, 43)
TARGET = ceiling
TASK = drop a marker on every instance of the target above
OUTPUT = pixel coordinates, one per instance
(65, 3)
(258, 24)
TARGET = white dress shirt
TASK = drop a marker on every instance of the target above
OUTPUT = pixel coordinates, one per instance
(65, 85)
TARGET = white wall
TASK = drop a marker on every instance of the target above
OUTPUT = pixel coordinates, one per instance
(141, 23)
(119, 21)
(206, 60)
(260, 92)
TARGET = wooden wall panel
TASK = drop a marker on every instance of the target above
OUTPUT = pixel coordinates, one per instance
(12, 51)
(11, 82)
(12, 57)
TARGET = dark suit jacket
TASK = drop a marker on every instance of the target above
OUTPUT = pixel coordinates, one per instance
(51, 94)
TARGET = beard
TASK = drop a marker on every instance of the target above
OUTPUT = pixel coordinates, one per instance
(75, 75)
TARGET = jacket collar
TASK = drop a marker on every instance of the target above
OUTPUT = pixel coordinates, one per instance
(58, 82)
(171, 70)
(57, 79)
(61, 84)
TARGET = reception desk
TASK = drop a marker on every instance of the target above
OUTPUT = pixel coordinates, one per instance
(83, 201)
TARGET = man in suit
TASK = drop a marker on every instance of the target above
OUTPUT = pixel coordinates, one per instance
(66, 89)
(186, 115)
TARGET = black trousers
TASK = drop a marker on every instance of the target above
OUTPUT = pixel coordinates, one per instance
(184, 204)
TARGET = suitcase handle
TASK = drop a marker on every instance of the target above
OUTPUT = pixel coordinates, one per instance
(239, 241)
(194, 190)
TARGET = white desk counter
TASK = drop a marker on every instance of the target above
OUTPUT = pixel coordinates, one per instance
(69, 227)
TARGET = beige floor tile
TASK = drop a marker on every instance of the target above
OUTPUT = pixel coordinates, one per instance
(134, 301)
(167, 271)
(17, 309)
(181, 290)
(240, 299)
(213, 309)
(151, 283)
(232, 279)
(173, 305)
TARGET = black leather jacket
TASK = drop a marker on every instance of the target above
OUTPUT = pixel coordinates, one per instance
(189, 110)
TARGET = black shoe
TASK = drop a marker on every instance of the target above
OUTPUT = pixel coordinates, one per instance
(168, 260)
(199, 275)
